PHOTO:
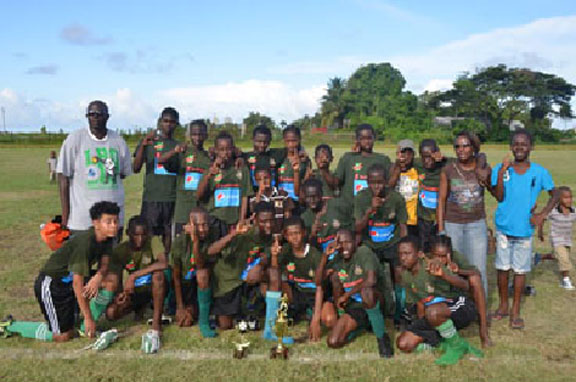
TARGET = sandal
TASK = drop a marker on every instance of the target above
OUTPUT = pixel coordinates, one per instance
(517, 323)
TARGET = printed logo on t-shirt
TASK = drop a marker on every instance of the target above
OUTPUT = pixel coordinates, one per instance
(101, 168)
(227, 197)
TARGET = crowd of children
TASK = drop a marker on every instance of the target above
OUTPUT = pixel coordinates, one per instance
(226, 233)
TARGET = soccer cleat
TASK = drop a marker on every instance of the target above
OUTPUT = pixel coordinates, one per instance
(151, 342)
(385, 347)
(567, 284)
(4, 324)
(165, 320)
(106, 339)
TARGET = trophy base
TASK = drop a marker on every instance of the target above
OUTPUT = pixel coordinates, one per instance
(239, 354)
(281, 353)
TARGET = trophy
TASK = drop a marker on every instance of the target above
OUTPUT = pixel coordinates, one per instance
(281, 329)
(241, 348)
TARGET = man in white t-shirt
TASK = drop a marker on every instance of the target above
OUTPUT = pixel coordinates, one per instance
(93, 161)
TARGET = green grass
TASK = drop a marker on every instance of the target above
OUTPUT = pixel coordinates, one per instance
(545, 350)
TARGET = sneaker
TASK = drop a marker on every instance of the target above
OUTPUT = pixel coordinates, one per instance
(165, 320)
(242, 326)
(385, 347)
(106, 339)
(4, 324)
(151, 342)
(567, 284)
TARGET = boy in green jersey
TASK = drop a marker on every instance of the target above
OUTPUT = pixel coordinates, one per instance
(61, 282)
(323, 218)
(323, 158)
(226, 187)
(351, 175)
(143, 258)
(159, 193)
(294, 163)
(298, 262)
(441, 249)
(191, 263)
(437, 305)
(360, 276)
(190, 161)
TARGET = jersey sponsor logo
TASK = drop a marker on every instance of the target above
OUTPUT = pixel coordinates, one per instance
(429, 197)
(359, 185)
(191, 180)
(289, 188)
(227, 197)
(381, 232)
(143, 280)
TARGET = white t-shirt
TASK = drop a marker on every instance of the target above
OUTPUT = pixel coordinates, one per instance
(94, 167)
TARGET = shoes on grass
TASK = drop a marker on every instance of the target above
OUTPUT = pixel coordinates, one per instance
(151, 342)
(567, 284)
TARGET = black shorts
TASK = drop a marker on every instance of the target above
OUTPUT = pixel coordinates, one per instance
(240, 301)
(158, 215)
(359, 315)
(463, 314)
(57, 302)
(141, 298)
(426, 229)
(389, 255)
(413, 229)
(301, 305)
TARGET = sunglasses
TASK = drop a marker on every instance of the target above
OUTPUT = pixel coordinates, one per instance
(95, 114)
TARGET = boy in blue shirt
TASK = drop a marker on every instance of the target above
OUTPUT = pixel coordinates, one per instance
(517, 186)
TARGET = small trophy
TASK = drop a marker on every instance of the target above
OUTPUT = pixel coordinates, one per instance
(241, 348)
(281, 329)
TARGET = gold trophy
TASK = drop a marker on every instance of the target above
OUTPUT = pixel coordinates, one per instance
(241, 348)
(281, 329)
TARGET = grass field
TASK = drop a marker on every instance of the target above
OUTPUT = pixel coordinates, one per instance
(545, 350)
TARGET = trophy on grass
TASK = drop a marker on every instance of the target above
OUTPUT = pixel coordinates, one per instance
(281, 329)
(241, 348)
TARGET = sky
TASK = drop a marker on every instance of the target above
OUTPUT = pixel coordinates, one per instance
(223, 59)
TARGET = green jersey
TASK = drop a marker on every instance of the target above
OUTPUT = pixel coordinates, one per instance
(242, 254)
(268, 159)
(286, 175)
(226, 190)
(159, 183)
(383, 230)
(352, 171)
(300, 271)
(354, 272)
(421, 284)
(125, 258)
(189, 166)
(428, 191)
(326, 190)
(182, 256)
(77, 256)
(338, 216)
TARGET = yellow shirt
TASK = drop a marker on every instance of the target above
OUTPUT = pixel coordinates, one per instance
(407, 186)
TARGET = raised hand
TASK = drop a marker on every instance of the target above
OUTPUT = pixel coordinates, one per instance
(181, 147)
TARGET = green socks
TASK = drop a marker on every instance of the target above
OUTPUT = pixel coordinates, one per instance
(400, 298)
(36, 330)
(377, 320)
(456, 346)
(99, 304)
(204, 300)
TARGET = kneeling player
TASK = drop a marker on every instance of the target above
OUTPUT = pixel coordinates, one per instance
(192, 272)
(145, 266)
(441, 249)
(299, 261)
(360, 275)
(60, 284)
(439, 308)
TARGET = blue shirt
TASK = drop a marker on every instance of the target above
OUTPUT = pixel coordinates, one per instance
(520, 194)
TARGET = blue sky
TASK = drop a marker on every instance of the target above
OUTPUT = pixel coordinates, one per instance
(225, 58)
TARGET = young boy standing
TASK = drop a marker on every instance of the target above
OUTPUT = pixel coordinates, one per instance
(60, 284)
(190, 162)
(561, 221)
(52, 162)
(517, 185)
(405, 178)
(226, 187)
(352, 172)
(159, 195)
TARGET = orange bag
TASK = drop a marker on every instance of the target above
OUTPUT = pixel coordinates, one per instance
(54, 234)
